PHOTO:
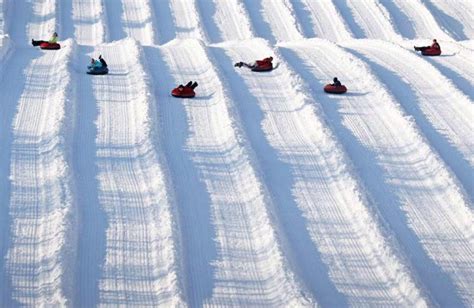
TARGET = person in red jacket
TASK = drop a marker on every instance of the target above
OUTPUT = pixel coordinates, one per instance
(259, 63)
(435, 45)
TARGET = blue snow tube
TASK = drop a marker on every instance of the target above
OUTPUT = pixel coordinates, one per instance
(98, 71)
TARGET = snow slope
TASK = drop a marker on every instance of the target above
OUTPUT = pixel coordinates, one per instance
(261, 191)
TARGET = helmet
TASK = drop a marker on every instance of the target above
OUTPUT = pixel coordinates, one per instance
(334, 79)
(55, 34)
(434, 40)
(271, 58)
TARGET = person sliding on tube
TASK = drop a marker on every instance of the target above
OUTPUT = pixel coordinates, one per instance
(95, 64)
(188, 85)
(258, 63)
(52, 40)
(102, 61)
(435, 45)
(336, 82)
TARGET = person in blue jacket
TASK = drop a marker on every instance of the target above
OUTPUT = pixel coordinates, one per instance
(95, 64)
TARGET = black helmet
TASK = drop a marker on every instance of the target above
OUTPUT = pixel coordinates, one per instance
(334, 79)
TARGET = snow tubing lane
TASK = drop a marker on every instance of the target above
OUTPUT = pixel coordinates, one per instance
(98, 71)
(431, 52)
(335, 89)
(184, 93)
(50, 46)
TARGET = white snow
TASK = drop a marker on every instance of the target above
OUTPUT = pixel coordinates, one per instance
(262, 190)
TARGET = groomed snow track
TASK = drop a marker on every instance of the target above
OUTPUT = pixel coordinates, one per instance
(261, 191)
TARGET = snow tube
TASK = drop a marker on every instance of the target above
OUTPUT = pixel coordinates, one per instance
(52, 46)
(98, 71)
(335, 89)
(263, 67)
(185, 92)
(431, 52)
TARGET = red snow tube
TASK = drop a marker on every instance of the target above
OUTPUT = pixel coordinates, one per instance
(184, 92)
(47, 45)
(335, 89)
(431, 52)
(265, 67)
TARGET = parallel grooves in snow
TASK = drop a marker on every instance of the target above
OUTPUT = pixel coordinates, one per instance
(137, 21)
(421, 22)
(455, 61)
(326, 21)
(456, 18)
(186, 20)
(43, 21)
(140, 262)
(88, 19)
(325, 193)
(222, 165)
(443, 111)
(10, 97)
(40, 197)
(411, 185)
(224, 20)
(273, 20)
(113, 11)
(367, 19)
(91, 219)
(241, 196)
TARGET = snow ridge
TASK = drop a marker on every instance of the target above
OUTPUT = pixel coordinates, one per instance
(40, 200)
(222, 165)
(262, 190)
(389, 180)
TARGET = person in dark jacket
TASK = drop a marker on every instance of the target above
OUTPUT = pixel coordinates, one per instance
(190, 84)
(258, 63)
(52, 40)
(104, 64)
(435, 45)
(336, 82)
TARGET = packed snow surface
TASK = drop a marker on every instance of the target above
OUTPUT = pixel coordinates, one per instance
(262, 190)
